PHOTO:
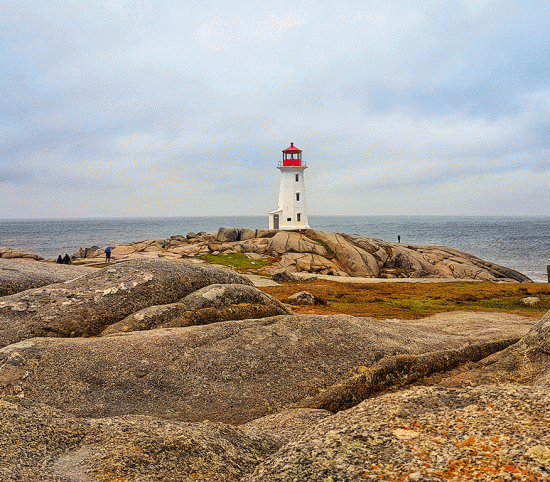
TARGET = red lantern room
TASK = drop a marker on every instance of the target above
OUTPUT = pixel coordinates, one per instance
(292, 156)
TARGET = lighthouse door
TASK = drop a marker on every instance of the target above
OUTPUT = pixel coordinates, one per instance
(275, 221)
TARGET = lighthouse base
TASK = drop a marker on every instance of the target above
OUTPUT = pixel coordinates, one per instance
(277, 221)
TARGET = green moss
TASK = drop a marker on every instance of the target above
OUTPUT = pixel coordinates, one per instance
(237, 260)
(330, 254)
(30, 365)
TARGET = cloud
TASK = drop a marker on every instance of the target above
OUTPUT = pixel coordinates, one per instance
(143, 108)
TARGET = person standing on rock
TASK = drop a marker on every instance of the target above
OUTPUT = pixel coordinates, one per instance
(398, 238)
(164, 245)
(108, 250)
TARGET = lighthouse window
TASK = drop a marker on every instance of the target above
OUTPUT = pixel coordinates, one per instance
(289, 219)
(298, 216)
(297, 177)
(297, 196)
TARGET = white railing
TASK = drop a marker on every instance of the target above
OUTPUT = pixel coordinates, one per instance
(303, 164)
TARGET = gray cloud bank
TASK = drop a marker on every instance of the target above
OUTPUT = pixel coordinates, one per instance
(157, 109)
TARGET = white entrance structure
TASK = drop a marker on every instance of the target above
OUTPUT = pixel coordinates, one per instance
(291, 212)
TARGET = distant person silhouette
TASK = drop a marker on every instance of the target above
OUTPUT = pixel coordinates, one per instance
(163, 245)
(59, 260)
(108, 254)
(398, 238)
(66, 259)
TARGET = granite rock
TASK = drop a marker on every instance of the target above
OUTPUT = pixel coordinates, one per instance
(42, 444)
(423, 434)
(232, 371)
(18, 275)
(87, 305)
(211, 304)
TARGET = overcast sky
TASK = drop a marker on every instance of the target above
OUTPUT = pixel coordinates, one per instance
(172, 108)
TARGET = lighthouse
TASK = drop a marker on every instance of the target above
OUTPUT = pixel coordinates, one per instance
(291, 212)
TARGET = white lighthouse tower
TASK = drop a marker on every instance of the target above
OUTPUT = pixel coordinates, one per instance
(291, 212)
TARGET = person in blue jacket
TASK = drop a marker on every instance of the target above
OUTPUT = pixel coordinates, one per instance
(108, 250)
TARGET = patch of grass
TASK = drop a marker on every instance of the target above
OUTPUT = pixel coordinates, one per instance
(418, 300)
(238, 260)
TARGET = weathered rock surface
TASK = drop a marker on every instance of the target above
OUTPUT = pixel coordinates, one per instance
(233, 371)
(18, 275)
(302, 297)
(39, 443)
(424, 434)
(286, 424)
(282, 276)
(526, 362)
(9, 253)
(228, 235)
(210, 304)
(86, 306)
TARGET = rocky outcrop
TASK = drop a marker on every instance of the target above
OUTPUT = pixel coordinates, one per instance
(424, 434)
(336, 254)
(18, 275)
(43, 444)
(397, 371)
(525, 362)
(211, 304)
(86, 306)
(233, 371)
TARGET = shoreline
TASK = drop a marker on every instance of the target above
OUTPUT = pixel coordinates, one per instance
(304, 253)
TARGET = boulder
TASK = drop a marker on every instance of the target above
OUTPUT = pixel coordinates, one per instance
(531, 300)
(266, 233)
(423, 434)
(303, 297)
(228, 235)
(210, 304)
(87, 305)
(18, 275)
(309, 263)
(232, 372)
(282, 276)
(248, 234)
(419, 274)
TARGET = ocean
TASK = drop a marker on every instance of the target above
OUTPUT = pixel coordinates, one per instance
(519, 243)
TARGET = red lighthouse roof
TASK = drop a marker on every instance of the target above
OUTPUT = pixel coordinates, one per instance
(292, 149)
(292, 156)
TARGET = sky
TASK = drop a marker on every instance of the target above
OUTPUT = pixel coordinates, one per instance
(169, 108)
